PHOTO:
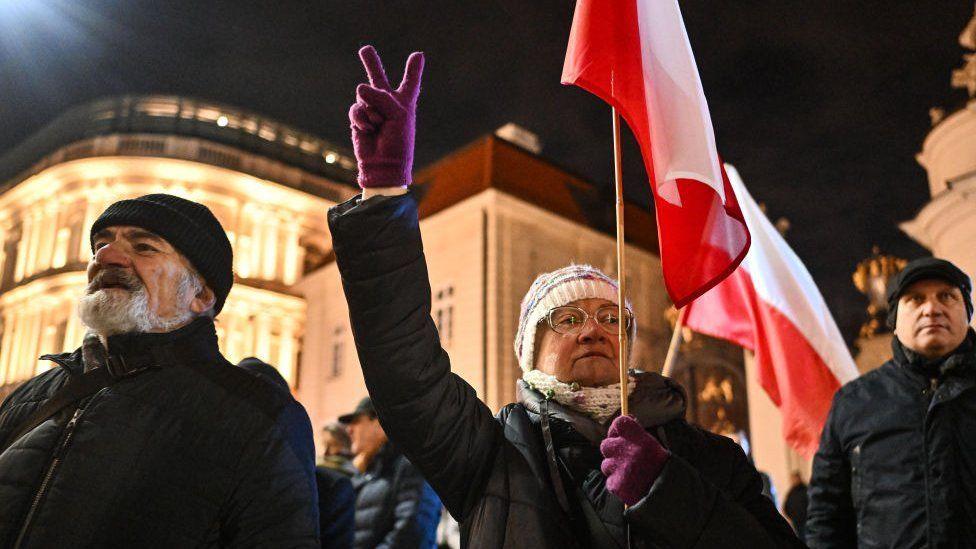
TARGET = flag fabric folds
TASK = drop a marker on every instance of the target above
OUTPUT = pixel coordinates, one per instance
(772, 306)
(635, 55)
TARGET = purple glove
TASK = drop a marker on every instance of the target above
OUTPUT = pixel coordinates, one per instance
(383, 122)
(632, 459)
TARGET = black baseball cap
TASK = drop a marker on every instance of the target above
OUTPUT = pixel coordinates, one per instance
(928, 268)
(365, 406)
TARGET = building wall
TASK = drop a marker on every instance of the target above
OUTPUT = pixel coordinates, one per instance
(483, 254)
(528, 241)
(949, 150)
(946, 225)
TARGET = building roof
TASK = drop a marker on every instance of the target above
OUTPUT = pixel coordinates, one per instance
(492, 162)
(184, 117)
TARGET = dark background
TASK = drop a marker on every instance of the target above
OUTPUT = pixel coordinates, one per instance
(821, 106)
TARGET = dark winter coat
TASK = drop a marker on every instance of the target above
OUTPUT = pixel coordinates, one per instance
(897, 458)
(494, 474)
(795, 508)
(186, 451)
(337, 506)
(395, 508)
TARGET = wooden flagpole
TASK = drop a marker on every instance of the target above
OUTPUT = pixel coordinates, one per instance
(679, 326)
(621, 303)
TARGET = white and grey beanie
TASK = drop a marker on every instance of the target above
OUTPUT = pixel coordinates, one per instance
(555, 289)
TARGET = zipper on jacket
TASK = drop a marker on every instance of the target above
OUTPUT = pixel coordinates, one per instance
(929, 393)
(49, 475)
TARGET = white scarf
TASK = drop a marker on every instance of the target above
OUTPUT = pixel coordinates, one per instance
(600, 403)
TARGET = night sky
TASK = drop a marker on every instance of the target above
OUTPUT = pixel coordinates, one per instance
(821, 106)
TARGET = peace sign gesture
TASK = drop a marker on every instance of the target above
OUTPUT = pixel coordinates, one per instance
(383, 122)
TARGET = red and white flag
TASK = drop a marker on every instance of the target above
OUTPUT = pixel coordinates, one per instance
(635, 55)
(771, 306)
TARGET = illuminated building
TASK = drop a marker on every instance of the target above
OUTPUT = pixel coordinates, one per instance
(946, 225)
(268, 184)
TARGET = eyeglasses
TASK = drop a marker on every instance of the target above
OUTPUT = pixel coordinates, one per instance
(570, 320)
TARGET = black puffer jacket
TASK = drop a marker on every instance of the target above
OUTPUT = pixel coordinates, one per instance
(188, 452)
(897, 460)
(495, 475)
(395, 508)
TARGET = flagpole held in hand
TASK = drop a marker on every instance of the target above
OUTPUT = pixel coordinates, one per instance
(672, 355)
(621, 303)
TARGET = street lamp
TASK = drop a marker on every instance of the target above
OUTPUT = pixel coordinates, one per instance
(871, 278)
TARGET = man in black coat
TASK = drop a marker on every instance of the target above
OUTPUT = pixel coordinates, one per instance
(395, 507)
(897, 457)
(555, 469)
(146, 436)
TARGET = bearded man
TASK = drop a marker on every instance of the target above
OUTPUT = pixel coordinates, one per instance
(146, 435)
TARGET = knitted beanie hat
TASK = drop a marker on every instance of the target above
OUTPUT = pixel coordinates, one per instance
(555, 289)
(189, 227)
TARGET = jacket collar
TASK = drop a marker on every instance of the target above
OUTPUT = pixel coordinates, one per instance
(383, 459)
(194, 343)
(655, 401)
(960, 361)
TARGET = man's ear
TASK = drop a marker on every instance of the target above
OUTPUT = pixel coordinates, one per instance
(203, 301)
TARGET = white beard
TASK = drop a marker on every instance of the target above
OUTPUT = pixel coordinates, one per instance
(111, 311)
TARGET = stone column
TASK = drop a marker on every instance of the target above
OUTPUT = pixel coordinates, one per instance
(37, 229)
(262, 336)
(293, 253)
(23, 246)
(6, 346)
(92, 210)
(269, 267)
(74, 331)
(288, 350)
(257, 243)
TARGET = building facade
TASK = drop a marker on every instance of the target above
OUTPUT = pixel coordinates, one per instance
(946, 225)
(268, 184)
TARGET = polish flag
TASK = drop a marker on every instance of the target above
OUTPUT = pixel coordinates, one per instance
(635, 55)
(771, 306)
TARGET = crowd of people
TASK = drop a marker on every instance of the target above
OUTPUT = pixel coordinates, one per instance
(147, 437)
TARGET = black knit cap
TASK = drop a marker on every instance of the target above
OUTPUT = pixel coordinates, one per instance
(927, 268)
(189, 227)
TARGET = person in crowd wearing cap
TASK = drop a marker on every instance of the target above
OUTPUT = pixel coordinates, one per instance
(337, 449)
(146, 436)
(557, 468)
(897, 460)
(395, 507)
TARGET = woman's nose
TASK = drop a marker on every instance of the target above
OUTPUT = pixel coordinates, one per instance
(591, 330)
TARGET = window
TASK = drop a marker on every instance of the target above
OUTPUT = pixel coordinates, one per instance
(338, 350)
(444, 314)
(61, 242)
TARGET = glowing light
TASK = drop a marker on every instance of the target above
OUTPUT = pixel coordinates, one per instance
(222, 121)
(331, 157)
